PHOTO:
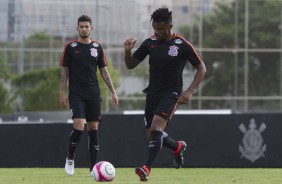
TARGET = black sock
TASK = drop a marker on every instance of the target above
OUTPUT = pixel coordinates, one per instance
(93, 147)
(170, 143)
(74, 140)
(155, 146)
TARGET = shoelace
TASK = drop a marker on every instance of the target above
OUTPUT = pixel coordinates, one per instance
(70, 162)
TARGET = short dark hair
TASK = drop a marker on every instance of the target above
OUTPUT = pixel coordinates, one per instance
(162, 15)
(84, 18)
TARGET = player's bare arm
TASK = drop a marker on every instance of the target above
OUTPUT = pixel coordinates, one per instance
(106, 77)
(186, 95)
(130, 61)
(63, 83)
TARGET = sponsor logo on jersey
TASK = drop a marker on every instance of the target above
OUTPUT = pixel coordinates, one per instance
(153, 46)
(96, 44)
(94, 52)
(173, 50)
(178, 41)
(253, 147)
(163, 113)
(74, 44)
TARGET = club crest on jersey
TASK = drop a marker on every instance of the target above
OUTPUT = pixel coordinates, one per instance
(94, 52)
(178, 41)
(173, 50)
(96, 44)
(74, 44)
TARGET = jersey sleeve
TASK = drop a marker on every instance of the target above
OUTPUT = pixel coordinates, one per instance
(65, 59)
(102, 62)
(141, 52)
(192, 56)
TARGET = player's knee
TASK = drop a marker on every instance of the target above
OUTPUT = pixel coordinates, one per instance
(78, 124)
(92, 126)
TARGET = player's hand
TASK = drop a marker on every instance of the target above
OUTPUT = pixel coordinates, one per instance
(129, 44)
(184, 97)
(64, 100)
(115, 100)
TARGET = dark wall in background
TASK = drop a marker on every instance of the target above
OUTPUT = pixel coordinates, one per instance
(213, 141)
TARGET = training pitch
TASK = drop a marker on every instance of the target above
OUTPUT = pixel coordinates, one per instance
(158, 176)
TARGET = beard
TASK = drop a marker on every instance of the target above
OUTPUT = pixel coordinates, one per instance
(84, 35)
(160, 37)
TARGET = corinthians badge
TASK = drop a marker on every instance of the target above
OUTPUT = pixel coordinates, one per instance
(173, 50)
(253, 147)
(94, 52)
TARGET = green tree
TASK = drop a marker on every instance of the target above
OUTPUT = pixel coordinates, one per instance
(39, 89)
(6, 97)
(264, 68)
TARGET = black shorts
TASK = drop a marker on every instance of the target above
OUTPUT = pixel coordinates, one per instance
(163, 106)
(90, 110)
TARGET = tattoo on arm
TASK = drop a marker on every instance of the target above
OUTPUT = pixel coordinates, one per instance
(64, 78)
(106, 77)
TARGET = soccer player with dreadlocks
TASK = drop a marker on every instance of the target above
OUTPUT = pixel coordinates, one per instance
(168, 53)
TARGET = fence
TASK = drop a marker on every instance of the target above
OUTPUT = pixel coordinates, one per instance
(248, 54)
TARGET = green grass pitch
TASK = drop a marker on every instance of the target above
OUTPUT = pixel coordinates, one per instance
(158, 176)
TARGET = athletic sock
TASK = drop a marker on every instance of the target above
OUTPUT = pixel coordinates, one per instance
(93, 147)
(74, 140)
(169, 142)
(155, 146)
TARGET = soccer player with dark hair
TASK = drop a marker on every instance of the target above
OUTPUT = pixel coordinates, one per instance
(79, 63)
(168, 53)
